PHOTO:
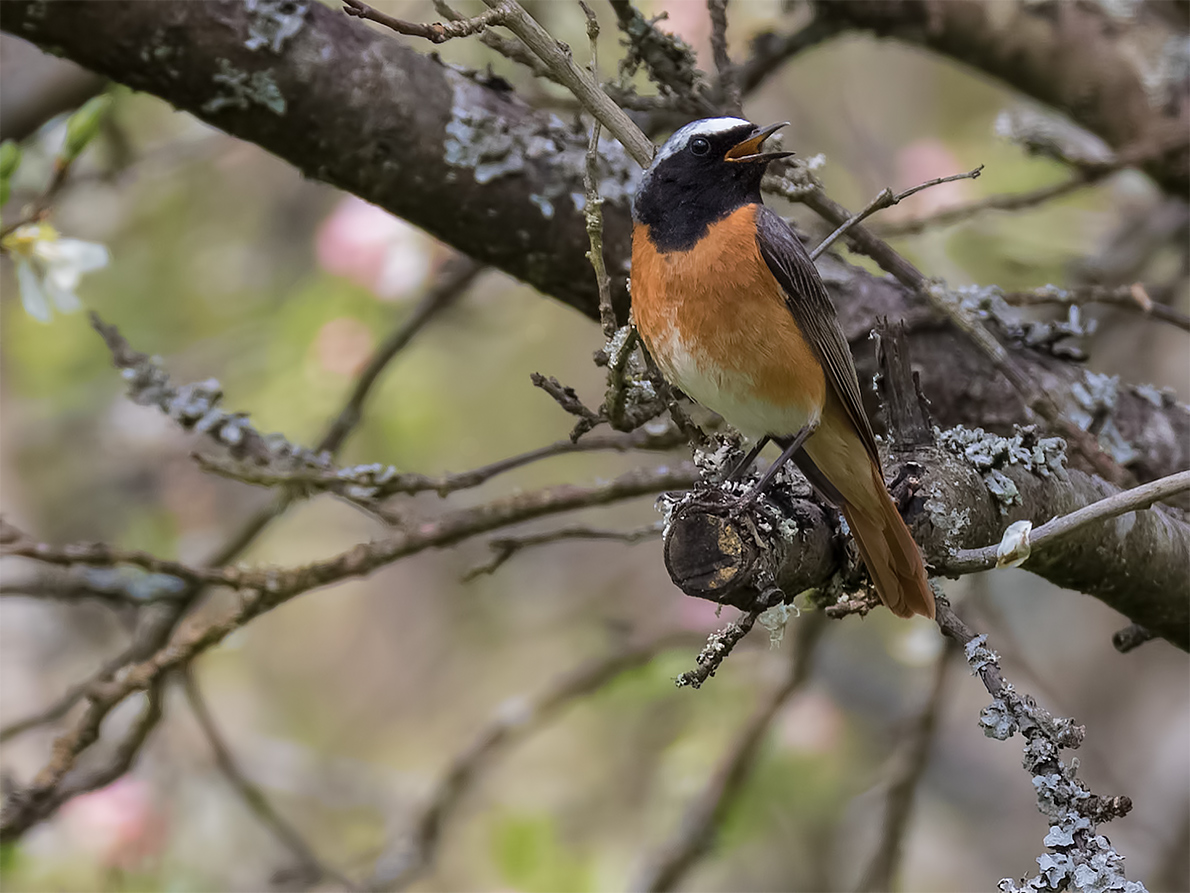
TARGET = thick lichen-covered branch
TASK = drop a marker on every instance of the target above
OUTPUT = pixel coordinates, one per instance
(960, 494)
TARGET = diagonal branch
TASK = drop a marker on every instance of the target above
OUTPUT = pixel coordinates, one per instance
(516, 719)
(666, 867)
(908, 765)
(308, 863)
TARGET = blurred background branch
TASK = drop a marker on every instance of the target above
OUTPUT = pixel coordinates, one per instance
(469, 147)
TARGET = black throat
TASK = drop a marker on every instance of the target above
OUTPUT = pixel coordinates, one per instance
(679, 204)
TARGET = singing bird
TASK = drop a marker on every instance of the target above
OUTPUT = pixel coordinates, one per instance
(734, 312)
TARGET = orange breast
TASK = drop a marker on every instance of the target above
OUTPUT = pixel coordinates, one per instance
(716, 321)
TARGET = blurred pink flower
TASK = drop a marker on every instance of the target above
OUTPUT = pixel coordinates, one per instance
(688, 21)
(120, 825)
(924, 160)
(343, 345)
(811, 723)
(373, 248)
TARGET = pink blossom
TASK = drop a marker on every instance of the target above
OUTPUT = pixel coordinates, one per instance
(373, 248)
(120, 824)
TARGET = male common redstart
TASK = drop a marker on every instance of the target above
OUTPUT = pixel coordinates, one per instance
(734, 312)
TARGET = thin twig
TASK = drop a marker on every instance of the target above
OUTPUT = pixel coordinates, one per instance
(1010, 202)
(1072, 811)
(1129, 297)
(728, 87)
(1086, 173)
(512, 722)
(886, 199)
(694, 839)
(967, 561)
(52, 787)
(593, 211)
(589, 93)
(566, 397)
(382, 481)
(505, 547)
(437, 32)
(253, 797)
(908, 766)
(720, 644)
(15, 542)
(116, 592)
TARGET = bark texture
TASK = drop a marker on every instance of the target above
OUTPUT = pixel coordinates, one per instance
(1118, 79)
(1135, 563)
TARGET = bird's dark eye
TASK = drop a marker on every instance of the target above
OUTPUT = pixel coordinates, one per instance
(699, 146)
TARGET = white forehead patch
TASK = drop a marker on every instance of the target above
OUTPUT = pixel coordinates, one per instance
(704, 127)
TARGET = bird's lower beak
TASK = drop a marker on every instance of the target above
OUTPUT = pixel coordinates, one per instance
(749, 149)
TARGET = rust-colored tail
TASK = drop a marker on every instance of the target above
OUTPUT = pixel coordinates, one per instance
(889, 552)
(887, 547)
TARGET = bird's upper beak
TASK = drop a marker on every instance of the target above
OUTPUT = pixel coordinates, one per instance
(749, 149)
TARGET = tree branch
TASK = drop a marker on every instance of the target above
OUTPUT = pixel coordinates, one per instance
(516, 719)
(438, 32)
(665, 868)
(1073, 57)
(309, 867)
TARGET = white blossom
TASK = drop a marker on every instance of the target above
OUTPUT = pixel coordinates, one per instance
(50, 267)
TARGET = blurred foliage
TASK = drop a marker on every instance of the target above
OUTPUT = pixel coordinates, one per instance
(345, 705)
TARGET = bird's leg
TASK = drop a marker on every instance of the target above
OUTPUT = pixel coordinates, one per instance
(749, 499)
(742, 469)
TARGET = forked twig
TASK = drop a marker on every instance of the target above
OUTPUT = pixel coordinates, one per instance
(886, 199)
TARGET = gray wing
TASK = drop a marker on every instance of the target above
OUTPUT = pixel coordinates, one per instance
(808, 301)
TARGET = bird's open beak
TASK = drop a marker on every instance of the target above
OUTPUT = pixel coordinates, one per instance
(749, 149)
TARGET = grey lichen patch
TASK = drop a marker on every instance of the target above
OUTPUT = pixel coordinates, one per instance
(951, 522)
(989, 453)
(273, 22)
(244, 90)
(1093, 401)
(547, 207)
(492, 146)
(1058, 337)
(1162, 398)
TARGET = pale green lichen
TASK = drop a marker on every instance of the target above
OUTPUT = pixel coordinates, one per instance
(244, 90)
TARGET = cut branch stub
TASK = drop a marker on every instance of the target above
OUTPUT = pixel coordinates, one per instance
(713, 555)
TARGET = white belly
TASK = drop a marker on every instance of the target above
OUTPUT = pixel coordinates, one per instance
(731, 394)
